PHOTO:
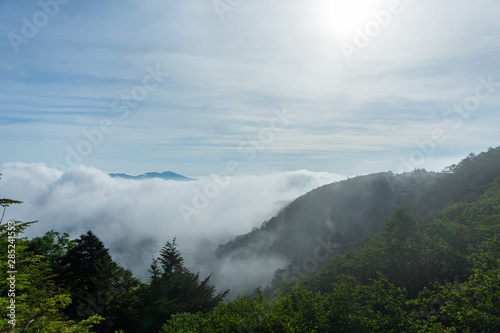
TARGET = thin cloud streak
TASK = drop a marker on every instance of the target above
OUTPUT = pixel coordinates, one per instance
(224, 75)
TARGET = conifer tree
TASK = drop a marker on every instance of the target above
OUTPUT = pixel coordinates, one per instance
(174, 289)
(94, 280)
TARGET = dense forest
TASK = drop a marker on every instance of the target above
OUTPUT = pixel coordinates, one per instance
(417, 252)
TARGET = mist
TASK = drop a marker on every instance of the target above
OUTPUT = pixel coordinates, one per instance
(134, 218)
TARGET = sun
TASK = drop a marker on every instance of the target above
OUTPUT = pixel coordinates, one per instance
(338, 18)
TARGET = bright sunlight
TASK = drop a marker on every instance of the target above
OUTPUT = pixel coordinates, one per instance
(338, 18)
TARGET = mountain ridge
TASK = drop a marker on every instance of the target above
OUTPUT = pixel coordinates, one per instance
(344, 213)
(166, 175)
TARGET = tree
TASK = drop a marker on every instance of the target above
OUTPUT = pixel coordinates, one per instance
(401, 225)
(53, 246)
(174, 289)
(94, 280)
(6, 203)
(28, 283)
(171, 259)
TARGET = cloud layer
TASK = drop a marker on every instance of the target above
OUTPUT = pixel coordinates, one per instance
(135, 218)
(226, 76)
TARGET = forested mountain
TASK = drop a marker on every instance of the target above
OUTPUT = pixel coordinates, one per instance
(462, 182)
(436, 274)
(348, 211)
(344, 213)
(417, 252)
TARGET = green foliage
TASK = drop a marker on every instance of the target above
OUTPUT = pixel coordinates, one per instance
(52, 246)
(174, 289)
(464, 182)
(475, 305)
(39, 301)
(6, 203)
(95, 281)
(439, 276)
(351, 307)
(470, 306)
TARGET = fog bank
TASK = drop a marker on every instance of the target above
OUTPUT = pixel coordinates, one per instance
(134, 218)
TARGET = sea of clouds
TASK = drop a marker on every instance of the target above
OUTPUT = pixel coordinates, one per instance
(134, 218)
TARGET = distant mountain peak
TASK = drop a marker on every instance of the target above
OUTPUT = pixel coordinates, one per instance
(167, 175)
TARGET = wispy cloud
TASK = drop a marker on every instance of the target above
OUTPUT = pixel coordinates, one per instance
(226, 75)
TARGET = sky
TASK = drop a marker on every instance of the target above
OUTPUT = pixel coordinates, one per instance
(345, 87)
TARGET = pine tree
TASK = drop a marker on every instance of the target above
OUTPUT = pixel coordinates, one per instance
(171, 259)
(94, 280)
(174, 289)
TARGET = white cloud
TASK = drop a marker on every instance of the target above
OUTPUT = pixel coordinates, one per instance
(135, 218)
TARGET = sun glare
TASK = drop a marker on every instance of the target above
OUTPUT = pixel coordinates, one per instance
(339, 17)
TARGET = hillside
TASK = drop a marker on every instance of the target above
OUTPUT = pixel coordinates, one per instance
(346, 212)
(441, 274)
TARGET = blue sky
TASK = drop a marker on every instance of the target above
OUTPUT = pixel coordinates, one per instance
(232, 67)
